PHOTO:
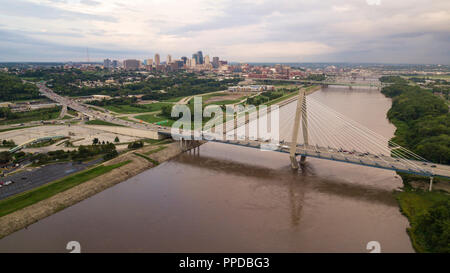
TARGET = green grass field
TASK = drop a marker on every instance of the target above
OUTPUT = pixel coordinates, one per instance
(130, 109)
(31, 197)
(153, 118)
(415, 203)
(154, 162)
(16, 128)
(225, 102)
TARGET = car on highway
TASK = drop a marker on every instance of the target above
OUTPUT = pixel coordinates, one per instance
(7, 183)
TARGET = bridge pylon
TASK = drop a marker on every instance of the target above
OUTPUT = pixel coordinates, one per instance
(300, 116)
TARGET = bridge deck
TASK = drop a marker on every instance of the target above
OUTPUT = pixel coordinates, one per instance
(354, 157)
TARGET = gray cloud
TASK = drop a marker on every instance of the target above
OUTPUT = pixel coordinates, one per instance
(17, 46)
(407, 31)
(21, 8)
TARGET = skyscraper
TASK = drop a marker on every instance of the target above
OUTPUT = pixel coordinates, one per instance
(157, 60)
(207, 59)
(184, 59)
(149, 62)
(200, 57)
(169, 59)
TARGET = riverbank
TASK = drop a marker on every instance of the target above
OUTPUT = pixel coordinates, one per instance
(138, 162)
(422, 123)
(30, 214)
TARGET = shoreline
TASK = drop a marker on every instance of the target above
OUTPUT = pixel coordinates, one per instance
(27, 216)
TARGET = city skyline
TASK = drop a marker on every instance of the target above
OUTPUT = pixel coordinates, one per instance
(357, 31)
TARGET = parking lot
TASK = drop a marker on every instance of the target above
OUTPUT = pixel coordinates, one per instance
(30, 179)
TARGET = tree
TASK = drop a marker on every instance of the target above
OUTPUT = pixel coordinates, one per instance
(95, 141)
(5, 157)
(117, 139)
(136, 145)
(433, 227)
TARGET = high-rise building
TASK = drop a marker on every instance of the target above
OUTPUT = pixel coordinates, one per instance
(207, 60)
(157, 60)
(169, 59)
(193, 62)
(115, 64)
(200, 57)
(149, 62)
(215, 62)
(107, 63)
(184, 59)
(131, 64)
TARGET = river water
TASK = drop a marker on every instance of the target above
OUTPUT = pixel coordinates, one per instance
(236, 199)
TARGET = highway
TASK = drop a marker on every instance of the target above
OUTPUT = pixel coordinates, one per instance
(92, 114)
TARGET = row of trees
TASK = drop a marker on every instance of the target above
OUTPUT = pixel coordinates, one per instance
(84, 152)
(175, 84)
(422, 120)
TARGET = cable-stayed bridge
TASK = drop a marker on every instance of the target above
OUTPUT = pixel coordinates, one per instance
(308, 128)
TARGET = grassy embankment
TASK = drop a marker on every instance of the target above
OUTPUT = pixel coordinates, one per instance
(101, 122)
(423, 126)
(31, 197)
(154, 162)
(132, 109)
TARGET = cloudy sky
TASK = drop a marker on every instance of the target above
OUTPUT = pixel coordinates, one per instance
(383, 31)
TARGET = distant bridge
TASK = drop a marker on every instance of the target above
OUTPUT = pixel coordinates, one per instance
(327, 83)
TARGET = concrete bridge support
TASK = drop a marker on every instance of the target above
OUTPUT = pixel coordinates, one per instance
(431, 184)
(190, 145)
(299, 115)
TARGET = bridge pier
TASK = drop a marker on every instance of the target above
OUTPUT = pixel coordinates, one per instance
(431, 184)
(300, 114)
(190, 145)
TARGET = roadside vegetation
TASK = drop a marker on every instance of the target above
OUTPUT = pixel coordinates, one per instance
(31, 197)
(101, 122)
(126, 105)
(13, 89)
(423, 126)
(8, 117)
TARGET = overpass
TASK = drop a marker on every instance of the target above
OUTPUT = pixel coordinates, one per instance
(34, 141)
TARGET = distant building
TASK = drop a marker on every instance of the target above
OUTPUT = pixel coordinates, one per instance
(169, 59)
(131, 64)
(115, 64)
(157, 59)
(107, 63)
(199, 57)
(207, 59)
(149, 62)
(215, 62)
(184, 59)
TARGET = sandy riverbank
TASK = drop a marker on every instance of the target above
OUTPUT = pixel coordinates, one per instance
(31, 214)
